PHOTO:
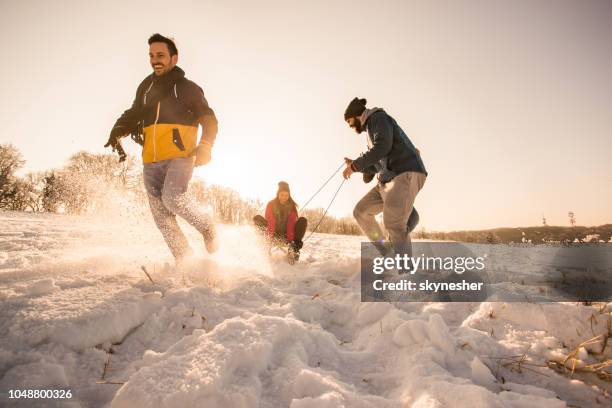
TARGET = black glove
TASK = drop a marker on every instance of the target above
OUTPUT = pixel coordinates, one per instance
(367, 177)
(113, 141)
(115, 135)
(296, 245)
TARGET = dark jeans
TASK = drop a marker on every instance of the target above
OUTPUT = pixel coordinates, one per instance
(261, 224)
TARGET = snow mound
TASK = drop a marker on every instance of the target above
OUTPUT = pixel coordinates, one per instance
(41, 287)
(109, 326)
(481, 374)
(434, 332)
(234, 364)
(38, 375)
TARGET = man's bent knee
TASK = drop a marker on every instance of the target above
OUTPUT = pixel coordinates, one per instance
(172, 202)
(358, 211)
(395, 225)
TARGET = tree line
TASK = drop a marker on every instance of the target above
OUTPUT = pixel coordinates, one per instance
(94, 183)
(90, 183)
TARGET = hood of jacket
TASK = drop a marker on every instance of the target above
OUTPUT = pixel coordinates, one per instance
(366, 115)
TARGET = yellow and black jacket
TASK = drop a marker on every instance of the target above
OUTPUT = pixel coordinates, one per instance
(167, 110)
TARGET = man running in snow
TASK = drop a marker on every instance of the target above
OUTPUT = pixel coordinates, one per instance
(167, 111)
(400, 172)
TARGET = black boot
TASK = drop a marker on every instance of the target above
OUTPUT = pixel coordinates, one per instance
(260, 223)
(293, 251)
(413, 220)
(300, 230)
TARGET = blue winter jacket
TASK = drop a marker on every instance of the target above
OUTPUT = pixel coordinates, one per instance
(391, 152)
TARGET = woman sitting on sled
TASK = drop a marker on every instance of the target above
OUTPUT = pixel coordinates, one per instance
(281, 226)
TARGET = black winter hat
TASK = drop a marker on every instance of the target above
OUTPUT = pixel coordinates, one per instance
(355, 108)
(283, 186)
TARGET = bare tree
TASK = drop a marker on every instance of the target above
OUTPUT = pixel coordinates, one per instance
(328, 224)
(422, 233)
(572, 218)
(52, 192)
(86, 181)
(492, 238)
(10, 161)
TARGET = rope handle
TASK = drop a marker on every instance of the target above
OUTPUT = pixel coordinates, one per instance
(325, 213)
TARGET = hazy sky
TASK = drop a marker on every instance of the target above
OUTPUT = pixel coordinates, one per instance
(510, 102)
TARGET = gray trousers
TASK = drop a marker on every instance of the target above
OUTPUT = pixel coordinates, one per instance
(395, 200)
(166, 182)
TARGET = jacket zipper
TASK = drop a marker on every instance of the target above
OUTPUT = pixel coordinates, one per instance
(154, 128)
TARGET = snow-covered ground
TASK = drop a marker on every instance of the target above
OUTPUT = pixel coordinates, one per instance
(238, 330)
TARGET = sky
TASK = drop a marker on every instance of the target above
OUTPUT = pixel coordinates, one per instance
(510, 103)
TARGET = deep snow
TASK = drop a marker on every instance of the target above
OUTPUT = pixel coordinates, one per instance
(238, 330)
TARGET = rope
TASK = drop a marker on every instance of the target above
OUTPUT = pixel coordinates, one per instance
(330, 203)
(325, 213)
(321, 188)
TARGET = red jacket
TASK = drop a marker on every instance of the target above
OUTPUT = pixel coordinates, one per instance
(291, 220)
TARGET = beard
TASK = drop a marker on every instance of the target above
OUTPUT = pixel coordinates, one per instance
(358, 127)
